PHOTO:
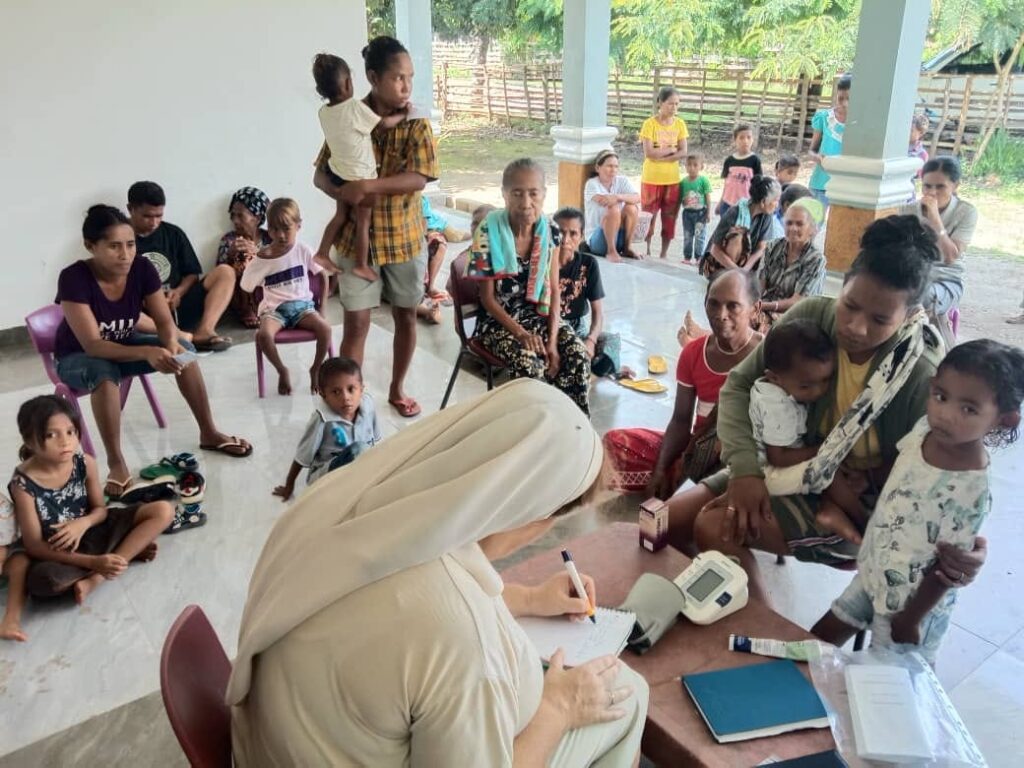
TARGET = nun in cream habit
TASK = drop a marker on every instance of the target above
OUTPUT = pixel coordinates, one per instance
(376, 631)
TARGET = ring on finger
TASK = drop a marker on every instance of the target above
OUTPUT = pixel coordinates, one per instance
(960, 579)
(730, 509)
(611, 698)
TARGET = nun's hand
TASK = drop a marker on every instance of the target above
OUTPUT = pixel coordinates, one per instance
(557, 597)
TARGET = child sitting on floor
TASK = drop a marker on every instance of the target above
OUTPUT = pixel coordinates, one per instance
(347, 124)
(937, 496)
(73, 541)
(342, 426)
(282, 269)
(800, 360)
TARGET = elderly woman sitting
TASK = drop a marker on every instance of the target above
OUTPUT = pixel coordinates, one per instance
(752, 217)
(248, 212)
(378, 633)
(514, 256)
(793, 267)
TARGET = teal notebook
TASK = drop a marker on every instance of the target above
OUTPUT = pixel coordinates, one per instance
(755, 700)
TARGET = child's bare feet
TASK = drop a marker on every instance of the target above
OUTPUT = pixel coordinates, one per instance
(364, 272)
(613, 256)
(314, 378)
(832, 518)
(148, 554)
(84, 587)
(284, 382)
(11, 630)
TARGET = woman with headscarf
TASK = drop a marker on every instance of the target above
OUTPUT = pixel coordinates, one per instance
(377, 632)
(248, 212)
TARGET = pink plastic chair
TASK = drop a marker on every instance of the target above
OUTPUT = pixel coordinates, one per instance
(42, 329)
(293, 335)
(194, 672)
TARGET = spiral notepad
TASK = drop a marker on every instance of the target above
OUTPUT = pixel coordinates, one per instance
(581, 640)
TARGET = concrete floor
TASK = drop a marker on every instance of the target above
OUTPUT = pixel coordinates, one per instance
(83, 690)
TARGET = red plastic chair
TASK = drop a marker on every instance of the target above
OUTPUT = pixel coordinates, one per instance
(194, 672)
(42, 329)
(466, 300)
(293, 335)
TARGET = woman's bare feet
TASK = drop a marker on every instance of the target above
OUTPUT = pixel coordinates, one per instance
(314, 378)
(284, 382)
(613, 256)
(365, 272)
(85, 586)
(10, 629)
(148, 554)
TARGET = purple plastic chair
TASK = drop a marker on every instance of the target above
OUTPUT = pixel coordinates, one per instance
(42, 329)
(293, 335)
(194, 672)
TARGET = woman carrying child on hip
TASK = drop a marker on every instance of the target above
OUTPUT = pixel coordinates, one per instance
(282, 269)
(937, 495)
(72, 540)
(347, 124)
(342, 426)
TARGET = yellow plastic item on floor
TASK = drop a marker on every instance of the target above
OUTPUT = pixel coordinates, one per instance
(657, 364)
(647, 386)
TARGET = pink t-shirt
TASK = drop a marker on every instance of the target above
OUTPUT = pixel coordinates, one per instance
(285, 278)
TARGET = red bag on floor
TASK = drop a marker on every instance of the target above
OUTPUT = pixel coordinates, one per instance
(633, 454)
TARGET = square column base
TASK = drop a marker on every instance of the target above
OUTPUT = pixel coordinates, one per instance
(572, 177)
(842, 236)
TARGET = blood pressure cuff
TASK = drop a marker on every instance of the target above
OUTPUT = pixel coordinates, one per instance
(657, 603)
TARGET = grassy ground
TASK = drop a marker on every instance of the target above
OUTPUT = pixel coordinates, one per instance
(474, 153)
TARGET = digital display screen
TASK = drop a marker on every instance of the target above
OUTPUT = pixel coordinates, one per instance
(705, 585)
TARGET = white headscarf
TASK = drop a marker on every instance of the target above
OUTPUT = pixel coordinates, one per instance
(511, 457)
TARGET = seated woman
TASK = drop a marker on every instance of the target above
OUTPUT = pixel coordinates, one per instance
(612, 204)
(515, 258)
(793, 267)
(876, 328)
(248, 212)
(752, 216)
(97, 343)
(953, 221)
(579, 280)
(377, 632)
(645, 459)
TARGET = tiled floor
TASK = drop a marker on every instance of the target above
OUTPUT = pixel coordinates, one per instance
(83, 662)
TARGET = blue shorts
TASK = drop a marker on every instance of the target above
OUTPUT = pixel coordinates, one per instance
(80, 371)
(856, 609)
(289, 313)
(599, 246)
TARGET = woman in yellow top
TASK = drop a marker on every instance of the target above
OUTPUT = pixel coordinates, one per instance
(664, 139)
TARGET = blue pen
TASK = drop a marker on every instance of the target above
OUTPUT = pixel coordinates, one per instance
(577, 582)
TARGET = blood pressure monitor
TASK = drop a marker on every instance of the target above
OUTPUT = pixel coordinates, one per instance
(713, 587)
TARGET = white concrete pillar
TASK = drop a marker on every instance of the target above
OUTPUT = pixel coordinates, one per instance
(873, 175)
(415, 29)
(584, 130)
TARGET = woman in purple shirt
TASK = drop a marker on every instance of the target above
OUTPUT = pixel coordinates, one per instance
(97, 344)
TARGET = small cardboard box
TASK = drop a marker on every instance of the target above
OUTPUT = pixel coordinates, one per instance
(653, 524)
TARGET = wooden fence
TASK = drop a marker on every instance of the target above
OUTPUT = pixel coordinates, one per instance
(715, 96)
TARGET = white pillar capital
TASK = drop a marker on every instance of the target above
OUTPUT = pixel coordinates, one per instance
(871, 182)
(414, 28)
(581, 145)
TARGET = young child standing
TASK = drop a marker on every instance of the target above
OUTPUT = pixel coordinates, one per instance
(282, 269)
(74, 542)
(695, 192)
(937, 496)
(827, 140)
(343, 425)
(739, 168)
(347, 124)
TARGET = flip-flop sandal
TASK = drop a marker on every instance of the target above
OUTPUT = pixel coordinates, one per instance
(441, 297)
(171, 467)
(147, 491)
(213, 344)
(657, 364)
(647, 386)
(121, 485)
(407, 407)
(227, 445)
(186, 516)
(191, 487)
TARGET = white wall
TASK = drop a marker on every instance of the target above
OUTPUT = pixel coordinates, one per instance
(201, 96)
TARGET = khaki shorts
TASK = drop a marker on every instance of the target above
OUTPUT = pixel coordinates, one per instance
(401, 285)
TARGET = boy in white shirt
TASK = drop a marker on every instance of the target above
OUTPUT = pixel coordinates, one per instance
(347, 124)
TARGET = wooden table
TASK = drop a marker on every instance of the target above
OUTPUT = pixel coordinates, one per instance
(676, 734)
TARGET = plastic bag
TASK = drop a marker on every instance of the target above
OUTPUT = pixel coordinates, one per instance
(950, 741)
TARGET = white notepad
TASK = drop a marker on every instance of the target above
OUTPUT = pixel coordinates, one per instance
(581, 640)
(886, 722)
